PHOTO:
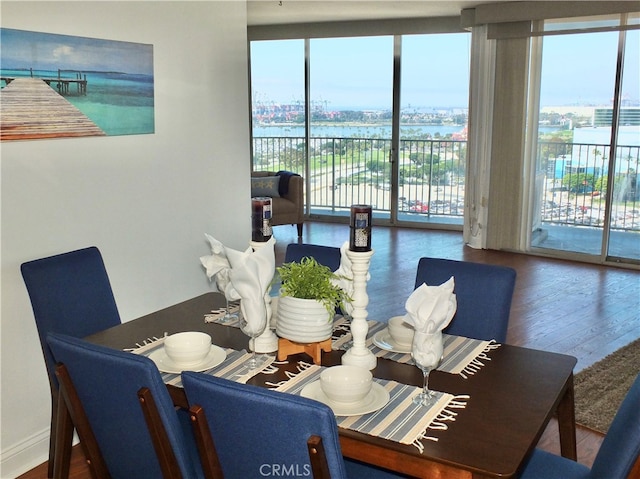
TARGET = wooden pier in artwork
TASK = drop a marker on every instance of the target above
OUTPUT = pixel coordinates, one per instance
(61, 83)
(31, 109)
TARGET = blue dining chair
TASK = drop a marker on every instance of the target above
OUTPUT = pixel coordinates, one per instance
(71, 294)
(483, 292)
(256, 430)
(618, 453)
(326, 255)
(109, 395)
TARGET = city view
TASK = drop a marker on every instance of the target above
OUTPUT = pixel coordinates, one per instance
(350, 145)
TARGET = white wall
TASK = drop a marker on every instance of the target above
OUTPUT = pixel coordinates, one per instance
(145, 201)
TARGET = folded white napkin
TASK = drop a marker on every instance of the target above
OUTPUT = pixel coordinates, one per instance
(431, 308)
(218, 268)
(251, 275)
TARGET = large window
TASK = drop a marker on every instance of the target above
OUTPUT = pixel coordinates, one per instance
(588, 142)
(336, 123)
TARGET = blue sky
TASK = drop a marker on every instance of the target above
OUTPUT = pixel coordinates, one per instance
(44, 51)
(357, 72)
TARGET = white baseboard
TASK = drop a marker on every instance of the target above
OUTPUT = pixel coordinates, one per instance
(25, 455)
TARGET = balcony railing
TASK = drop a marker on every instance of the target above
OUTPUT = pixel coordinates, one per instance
(571, 182)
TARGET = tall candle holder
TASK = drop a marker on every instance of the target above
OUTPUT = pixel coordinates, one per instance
(267, 342)
(358, 354)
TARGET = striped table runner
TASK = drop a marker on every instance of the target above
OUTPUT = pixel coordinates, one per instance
(399, 420)
(463, 356)
(234, 367)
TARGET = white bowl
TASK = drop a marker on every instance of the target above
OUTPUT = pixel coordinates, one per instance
(346, 384)
(400, 332)
(188, 348)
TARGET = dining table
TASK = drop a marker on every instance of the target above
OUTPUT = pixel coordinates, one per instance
(511, 398)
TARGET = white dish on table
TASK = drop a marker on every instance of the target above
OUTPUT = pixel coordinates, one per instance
(215, 356)
(383, 340)
(377, 398)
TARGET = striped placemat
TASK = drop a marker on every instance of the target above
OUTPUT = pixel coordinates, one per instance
(400, 420)
(234, 367)
(463, 356)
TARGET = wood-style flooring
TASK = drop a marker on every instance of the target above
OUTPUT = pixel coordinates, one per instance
(584, 310)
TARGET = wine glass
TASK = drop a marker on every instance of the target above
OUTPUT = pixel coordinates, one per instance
(253, 331)
(426, 351)
(222, 281)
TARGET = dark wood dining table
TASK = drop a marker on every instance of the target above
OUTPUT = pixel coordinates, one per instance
(512, 398)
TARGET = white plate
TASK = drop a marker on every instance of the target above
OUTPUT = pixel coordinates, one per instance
(377, 398)
(216, 356)
(383, 340)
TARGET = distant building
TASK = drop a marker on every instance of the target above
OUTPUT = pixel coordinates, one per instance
(629, 116)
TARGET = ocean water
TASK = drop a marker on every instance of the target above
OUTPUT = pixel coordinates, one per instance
(119, 103)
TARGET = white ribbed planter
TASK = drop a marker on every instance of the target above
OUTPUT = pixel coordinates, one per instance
(303, 320)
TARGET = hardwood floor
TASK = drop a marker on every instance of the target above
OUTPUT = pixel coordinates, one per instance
(587, 311)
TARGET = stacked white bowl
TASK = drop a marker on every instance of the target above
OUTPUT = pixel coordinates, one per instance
(346, 384)
(187, 349)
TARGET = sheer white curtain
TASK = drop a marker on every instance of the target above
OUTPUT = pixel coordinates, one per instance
(481, 98)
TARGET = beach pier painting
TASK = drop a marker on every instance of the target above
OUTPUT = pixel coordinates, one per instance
(60, 86)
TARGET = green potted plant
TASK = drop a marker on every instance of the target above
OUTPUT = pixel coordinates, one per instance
(309, 295)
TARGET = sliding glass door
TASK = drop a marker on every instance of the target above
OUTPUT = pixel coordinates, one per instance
(324, 107)
(588, 144)
(434, 95)
(350, 91)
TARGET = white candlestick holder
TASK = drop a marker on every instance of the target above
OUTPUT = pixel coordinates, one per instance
(267, 342)
(358, 354)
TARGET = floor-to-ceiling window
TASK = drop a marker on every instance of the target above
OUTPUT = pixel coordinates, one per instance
(434, 97)
(588, 138)
(350, 90)
(343, 132)
(278, 105)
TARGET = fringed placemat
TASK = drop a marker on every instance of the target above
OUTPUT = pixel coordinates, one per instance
(463, 356)
(234, 367)
(400, 420)
(217, 315)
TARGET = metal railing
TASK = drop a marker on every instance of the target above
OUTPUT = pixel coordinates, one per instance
(571, 182)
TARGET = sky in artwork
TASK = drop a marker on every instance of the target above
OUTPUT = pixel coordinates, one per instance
(45, 51)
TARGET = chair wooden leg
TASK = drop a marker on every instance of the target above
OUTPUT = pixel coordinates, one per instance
(159, 438)
(52, 432)
(206, 447)
(63, 440)
(299, 225)
(75, 415)
(318, 458)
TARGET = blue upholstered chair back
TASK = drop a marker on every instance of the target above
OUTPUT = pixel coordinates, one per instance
(326, 255)
(621, 446)
(484, 293)
(256, 429)
(618, 452)
(107, 382)
(70, 294)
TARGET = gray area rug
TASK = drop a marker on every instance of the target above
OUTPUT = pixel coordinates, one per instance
(600, 388)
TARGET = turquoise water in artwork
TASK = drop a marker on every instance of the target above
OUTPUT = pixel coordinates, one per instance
(119, 103)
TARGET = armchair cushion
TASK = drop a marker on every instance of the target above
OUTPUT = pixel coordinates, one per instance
(265, 186)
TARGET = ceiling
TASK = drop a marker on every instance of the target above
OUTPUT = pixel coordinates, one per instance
(272, 12)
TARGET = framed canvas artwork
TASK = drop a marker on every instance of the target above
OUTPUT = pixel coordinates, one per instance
(61, 86)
